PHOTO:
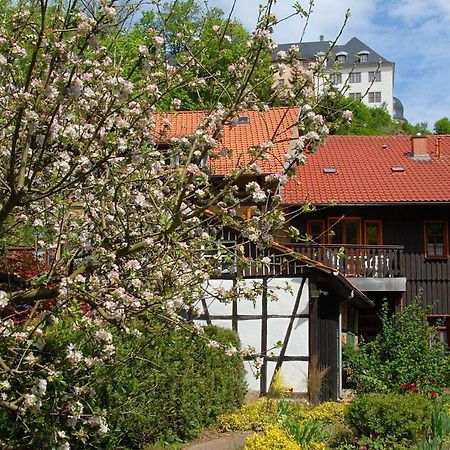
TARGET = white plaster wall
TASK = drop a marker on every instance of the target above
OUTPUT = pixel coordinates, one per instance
(286, 299)
(215, 307)
(385, 86)
(294, 374)
(250, 330)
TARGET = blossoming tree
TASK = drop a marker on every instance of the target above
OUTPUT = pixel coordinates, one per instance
(123, 229)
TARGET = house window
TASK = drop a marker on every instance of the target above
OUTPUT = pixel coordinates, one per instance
(374, 76)
(355, 95)
(363, 57)
(442, 326)
(316, 229)
(281, 82)
(341, 58)
(354, 77)
(374, 97)
(436, 239)
(373, 232)
(336, 78)
(345, 230)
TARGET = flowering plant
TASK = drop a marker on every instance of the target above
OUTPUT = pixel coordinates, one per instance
(86, 172)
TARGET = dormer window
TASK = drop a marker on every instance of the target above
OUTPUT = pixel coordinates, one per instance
(363, 56)
(341, 57)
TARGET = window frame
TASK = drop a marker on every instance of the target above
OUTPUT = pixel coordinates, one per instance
(380, 227)
(373, 97)
(355, 96)
(374, 76)
(363, 57)
(320, 222)
(354, 77)
(332, 220)
(336, 78)
(445, 255)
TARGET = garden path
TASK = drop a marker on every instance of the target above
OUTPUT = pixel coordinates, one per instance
(220, 441)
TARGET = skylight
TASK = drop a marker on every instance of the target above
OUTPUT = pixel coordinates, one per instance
(329, 170)
(243, 120)
(397, 169)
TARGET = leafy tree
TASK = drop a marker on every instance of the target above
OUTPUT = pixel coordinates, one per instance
(85, 166)
(442, 126)
(367, 121)
(208, 46)
(406, 356)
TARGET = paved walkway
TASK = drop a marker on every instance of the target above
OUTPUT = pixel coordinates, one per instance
(222, 441)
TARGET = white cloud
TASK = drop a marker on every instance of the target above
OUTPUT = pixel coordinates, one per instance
(415, 34)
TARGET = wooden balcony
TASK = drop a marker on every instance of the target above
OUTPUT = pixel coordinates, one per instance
(371, 261)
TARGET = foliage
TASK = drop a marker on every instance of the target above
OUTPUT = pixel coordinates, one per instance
(278, 387)
(205, 36)
(90, 170)
(272, 438)
(252, 416)
(368, 121)
(316, 376)
(439, 437)
(176, 387)
(442, 126)
(405, 353)
(392, 417)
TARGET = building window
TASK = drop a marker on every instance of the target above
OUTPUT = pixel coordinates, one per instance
(341, 58)
(436, 239)
(345, 230)
(316, 229)
(373, 232)
(336, 78)
(442, 326)
(355, 95)
(281, 82)
(374, 97)
(374, 76)
(363, 57)
(354, 77)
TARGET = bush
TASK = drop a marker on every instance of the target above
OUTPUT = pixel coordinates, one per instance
(252, 416)
(273, 438)
(177, 387)
(392, 417)
(406, 352)
(167, 385)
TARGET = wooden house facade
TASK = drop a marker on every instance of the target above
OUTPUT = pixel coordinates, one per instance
(381, 216)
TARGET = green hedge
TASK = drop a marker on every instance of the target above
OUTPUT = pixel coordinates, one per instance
(390, 417)
(167, 386)
(177, 387)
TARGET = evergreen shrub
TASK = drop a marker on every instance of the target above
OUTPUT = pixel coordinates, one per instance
(175, 388)
(390, 417)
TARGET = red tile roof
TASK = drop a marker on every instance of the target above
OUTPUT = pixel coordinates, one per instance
(364, 174)
(275, 125)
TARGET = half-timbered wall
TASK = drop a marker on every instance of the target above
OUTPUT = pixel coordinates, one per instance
(266, 321)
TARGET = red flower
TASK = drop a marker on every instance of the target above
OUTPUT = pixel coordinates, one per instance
(433, 394)
(413, 388)
(405, 386)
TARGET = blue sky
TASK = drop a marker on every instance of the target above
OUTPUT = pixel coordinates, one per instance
(415, 34)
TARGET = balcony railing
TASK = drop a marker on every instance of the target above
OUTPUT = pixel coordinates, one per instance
(374, 261)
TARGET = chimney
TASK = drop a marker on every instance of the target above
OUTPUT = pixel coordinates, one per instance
(437, 147)
(419, 147)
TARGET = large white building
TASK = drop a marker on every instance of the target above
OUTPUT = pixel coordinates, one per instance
(363, 73)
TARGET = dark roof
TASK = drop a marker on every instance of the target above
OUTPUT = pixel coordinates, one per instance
(308, 50)
(398, 109)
